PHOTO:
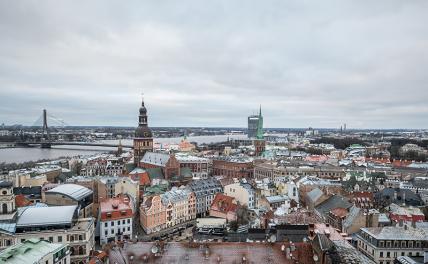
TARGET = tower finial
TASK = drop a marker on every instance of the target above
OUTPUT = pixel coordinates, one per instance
(260, 111)
(142, 98)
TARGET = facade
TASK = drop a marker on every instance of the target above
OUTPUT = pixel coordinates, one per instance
(199, 166)
(36, 251)
(175, 207)
(205, 191)
(384, 244)
(71, 194)
(232, 167)
(7, 201)
(243, 193)
(153, 214)
(116, 219)
(180, 206)
(128, 186)
(143, 140)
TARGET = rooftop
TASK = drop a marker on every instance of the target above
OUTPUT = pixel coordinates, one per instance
(397, 232)
(44, 216)
(74, 191)
(116, 208)
(155, 158)
(227, 252)
(30, 251)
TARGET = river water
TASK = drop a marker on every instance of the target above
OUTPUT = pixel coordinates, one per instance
(18, 155)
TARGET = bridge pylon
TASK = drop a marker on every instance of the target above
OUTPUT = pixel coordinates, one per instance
(45, 140)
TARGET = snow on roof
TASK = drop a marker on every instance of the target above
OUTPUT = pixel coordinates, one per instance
(74, 191)
(397, 233)
(155, 158)
(42, 216)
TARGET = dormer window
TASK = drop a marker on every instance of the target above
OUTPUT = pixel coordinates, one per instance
(108, 214)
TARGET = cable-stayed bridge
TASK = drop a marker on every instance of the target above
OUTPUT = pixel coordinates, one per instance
(46, 140)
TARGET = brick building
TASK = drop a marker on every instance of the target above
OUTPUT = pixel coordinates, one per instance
(232, 167)
(166, 162)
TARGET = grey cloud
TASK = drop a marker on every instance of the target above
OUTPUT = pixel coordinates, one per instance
(309, 63)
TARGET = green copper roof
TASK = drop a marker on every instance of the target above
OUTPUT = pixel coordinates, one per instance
(259, 134)
(30, 251)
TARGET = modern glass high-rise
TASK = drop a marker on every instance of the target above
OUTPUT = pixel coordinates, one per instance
(254, 121)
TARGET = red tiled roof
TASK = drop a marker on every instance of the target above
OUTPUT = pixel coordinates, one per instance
(339, 212)
(116, 208)
(21, 201)
(224, 203)
(143, 178)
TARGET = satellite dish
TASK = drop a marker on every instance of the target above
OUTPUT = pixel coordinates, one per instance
(155, 249)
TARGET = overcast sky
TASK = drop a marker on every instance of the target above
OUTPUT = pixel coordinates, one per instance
(211, 63)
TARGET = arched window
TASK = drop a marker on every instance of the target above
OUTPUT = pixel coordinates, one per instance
(81, 250)
(4, 208)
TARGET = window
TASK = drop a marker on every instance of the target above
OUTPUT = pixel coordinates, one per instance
(112, 223)
(129, 221)
(129, 228)
(123, 221)
(388, 254)
(106, 232)
(59, 238)
(381, 254)
(105, 224)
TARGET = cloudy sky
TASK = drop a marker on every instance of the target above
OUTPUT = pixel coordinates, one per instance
(211, 63)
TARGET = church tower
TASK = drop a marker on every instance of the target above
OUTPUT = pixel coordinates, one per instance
(259, 141)
(143, 140)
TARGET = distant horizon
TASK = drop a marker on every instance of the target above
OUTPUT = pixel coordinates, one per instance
(225, 127)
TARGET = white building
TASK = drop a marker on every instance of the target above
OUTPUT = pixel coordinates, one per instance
(116, 219)
(385, 244)
(243, 193)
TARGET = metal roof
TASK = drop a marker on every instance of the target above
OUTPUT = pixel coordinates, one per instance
(74, 191)
(43, 216)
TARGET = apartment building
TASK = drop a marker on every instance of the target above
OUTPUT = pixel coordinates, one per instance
(116, 219)
(243, 193)
(385, 244)
(205, 191)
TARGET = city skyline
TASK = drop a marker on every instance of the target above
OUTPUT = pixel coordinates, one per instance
(212, 65)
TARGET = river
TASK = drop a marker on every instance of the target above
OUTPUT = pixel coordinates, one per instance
(11, 155)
